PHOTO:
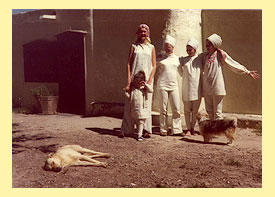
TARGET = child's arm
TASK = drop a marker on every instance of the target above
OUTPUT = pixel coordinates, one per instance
(149, 88)
(237, 67)
(127, 94)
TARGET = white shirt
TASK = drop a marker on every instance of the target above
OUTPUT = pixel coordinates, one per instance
(168, 66)
(142, 59)
(191, 75)
(213, 80)
(139, 102)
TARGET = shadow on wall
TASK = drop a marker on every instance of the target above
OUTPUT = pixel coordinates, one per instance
(59, 61)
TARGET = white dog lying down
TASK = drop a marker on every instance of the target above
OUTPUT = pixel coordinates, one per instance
(73, 155)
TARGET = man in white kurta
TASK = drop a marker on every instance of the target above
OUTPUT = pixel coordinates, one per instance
(191, 66)
(213, 80)
(168, 89)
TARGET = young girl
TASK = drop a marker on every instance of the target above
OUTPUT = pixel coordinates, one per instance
(168, 88)
(142, 56)
(191, 84)
(138, 96)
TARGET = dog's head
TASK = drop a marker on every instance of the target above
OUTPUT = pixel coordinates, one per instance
(52, 164)
(202, 115)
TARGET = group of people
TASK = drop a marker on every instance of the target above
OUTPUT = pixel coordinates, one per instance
(201, 76)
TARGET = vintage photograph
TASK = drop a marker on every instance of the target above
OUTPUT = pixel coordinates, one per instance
(137, 98)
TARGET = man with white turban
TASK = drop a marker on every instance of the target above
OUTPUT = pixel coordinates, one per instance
(213, 81)
(191, 87)
(167, 86)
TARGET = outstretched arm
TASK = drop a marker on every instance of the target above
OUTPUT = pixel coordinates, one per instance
(235, 66)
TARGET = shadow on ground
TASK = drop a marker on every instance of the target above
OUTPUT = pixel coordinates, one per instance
(103, 131)
(202, 142)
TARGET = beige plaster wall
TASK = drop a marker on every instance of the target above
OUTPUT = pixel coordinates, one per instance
(113, 33)
(27, 27)
(241, 31)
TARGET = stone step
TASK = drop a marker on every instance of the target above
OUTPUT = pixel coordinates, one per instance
(244, 120)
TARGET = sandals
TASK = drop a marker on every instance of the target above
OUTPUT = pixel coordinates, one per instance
(193, 132)
(146, 135)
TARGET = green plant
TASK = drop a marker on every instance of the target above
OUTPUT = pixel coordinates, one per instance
(42, 91)
(22, 110)
(17, 107)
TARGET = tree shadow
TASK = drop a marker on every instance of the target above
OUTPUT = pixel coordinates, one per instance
(15, 124)
(24, 138)
(48, 148)
(18, 148)
(16, 131)
(18, 142)
(202, 142)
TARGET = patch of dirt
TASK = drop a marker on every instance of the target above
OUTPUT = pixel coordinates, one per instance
(157, 162)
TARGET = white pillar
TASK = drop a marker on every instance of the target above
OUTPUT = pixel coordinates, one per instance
(182, 24)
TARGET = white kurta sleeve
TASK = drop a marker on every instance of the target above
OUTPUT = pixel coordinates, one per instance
(235, 66)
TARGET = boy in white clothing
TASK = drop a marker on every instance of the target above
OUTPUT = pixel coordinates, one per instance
(167, 86)
(139, 101)
(190, 68)
(213, 81)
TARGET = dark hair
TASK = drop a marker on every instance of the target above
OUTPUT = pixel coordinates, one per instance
(140, 76)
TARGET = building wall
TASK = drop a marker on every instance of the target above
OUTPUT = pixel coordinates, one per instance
(29, 27)
(241, 31)
(114, 32)
(109, 37)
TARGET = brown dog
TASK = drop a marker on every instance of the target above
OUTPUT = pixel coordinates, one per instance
(209, 129)
(73, 155)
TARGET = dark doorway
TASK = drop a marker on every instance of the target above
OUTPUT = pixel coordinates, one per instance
(61, 61)
(71, 72)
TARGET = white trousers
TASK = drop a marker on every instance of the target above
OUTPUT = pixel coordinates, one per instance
(213, 105)
(174, 98)
(190, 111)
(140, 126)
(128, 123)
